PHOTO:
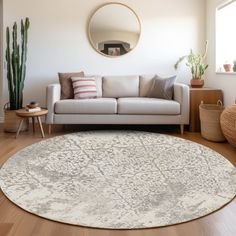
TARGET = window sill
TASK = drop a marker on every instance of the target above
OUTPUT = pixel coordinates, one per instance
(225, 73)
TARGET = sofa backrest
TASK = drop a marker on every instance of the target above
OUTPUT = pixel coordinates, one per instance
(120, 86)
(98, 80)
(145, 84)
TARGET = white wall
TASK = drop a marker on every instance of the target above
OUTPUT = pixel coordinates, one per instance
(58, 39)
(226, 82)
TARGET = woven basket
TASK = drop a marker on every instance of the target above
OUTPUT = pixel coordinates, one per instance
(210, 121)
(12, 121)
(228, 124)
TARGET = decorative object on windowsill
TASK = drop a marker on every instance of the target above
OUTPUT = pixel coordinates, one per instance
(234, 67)
(16, 56)
(227, 67)
(210, 121)
(228, 124)
(197, 66)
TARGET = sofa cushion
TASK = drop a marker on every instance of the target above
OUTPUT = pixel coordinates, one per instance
(120, 86)
(67, 91)
(86, 106)
(147, 106)
(98, 80)
(84, 87)
(145, 84)
(162, 87)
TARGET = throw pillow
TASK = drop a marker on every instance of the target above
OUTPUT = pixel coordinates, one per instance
(84, 87)
(67, 91)
(162, 87)
(145, 83)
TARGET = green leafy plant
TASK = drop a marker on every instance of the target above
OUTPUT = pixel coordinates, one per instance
(234, 62)
(16, 56)
(195, 62)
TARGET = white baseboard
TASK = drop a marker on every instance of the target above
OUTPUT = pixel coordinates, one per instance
(1, 119)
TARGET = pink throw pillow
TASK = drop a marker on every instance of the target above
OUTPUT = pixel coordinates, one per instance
(84, 87)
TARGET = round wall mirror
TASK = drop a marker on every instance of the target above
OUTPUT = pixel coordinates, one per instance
(114, 29)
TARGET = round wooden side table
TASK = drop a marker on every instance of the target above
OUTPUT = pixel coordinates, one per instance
(26, 115)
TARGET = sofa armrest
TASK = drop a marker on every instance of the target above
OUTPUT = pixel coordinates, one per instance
(181, 95)
(53, 95)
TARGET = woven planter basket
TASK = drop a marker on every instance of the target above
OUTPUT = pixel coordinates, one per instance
(228, 124)
(210, 121)
(12, 121)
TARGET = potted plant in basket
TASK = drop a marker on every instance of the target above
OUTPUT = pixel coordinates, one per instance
(197, 66)
(16, 56)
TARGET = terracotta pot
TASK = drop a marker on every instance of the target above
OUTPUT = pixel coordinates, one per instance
(227, 67)
(197, 83)
(12, 122)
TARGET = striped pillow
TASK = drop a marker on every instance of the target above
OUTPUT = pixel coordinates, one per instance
(84, 87)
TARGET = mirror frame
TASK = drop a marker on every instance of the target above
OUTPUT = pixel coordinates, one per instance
(89, 28)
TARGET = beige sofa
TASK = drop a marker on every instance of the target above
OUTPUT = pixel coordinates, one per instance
(121, 100)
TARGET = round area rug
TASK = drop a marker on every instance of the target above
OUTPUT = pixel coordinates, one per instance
(118, 179)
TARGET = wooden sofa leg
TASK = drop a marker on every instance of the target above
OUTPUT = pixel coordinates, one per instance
(181, 129)
(49, 128)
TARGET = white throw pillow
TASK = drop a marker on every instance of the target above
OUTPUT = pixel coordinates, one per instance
(84, 87)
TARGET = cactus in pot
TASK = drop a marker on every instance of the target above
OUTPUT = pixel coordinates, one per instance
(16, 56)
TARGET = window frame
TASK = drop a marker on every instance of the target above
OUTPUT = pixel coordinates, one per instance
(218, 8)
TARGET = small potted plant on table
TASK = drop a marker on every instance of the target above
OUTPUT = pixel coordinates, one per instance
(197, 66)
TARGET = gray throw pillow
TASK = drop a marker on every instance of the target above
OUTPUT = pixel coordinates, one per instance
(162, 87)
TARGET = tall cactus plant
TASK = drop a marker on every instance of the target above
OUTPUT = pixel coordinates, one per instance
(16, 56)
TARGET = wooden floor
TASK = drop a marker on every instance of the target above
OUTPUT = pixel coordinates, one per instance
(15, 221)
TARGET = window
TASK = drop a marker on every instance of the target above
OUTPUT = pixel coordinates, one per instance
(226, 36)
